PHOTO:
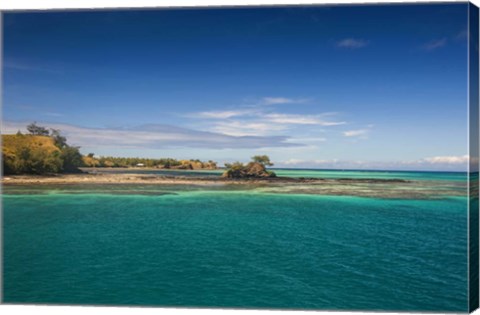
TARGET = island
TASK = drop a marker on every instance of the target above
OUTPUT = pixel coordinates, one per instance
(43, 157)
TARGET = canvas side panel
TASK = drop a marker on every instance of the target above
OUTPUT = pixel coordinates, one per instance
(474, 157)
(1, 155)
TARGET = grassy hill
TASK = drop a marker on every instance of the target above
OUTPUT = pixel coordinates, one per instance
(30, 154)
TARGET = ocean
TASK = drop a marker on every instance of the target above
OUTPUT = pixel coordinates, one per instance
(239, 247)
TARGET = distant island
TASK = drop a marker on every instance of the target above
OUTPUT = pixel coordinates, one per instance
(43, 157)
(45, 151)
(90, 160)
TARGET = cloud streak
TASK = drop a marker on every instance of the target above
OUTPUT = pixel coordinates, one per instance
(356, 133)
(155, 136)
(21, 66)
(352, 43)
(455, 163)
(244, 128)
(53, 114)
(282, 100)
(447, 159)
(435, 44)
(255, 121)
(224, 114)
(301, 120)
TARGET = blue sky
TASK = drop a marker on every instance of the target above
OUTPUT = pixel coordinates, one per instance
(322, 87)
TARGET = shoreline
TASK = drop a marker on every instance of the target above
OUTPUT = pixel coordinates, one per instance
(152, 183)
(103, 178)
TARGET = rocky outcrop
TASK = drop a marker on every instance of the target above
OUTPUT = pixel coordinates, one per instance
(251, 170)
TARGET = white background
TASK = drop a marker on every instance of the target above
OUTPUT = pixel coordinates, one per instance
(77, 310)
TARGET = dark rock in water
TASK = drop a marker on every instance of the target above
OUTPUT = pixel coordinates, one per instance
(251, 170)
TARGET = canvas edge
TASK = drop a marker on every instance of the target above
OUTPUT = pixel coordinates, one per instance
(1, 155)
(473, 178)
(473, 120)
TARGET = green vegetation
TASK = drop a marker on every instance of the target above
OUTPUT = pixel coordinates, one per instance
(45, 151)
(30, 154)
(39, 152)
(234, 166)
(262, 159)
(164, 163)
(72, 159)
(35, 130)
(255, 169)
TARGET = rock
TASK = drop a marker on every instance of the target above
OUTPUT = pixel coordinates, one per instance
(251, 170)
(232, 174)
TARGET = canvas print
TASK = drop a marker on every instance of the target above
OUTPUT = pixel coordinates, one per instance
(320, 157)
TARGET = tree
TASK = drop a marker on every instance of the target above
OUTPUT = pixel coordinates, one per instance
(9, 163)
(235, 166)
(262, 159)
(72, 159)
(251, 170)
(60, 141)
(36, 130)
(41, 162)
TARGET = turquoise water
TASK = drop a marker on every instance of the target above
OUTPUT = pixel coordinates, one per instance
(406, 175)
(224, 247)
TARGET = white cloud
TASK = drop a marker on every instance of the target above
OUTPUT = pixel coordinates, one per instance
(223, 114)
(293, 162)
(447, 159)
(439, 163)
(356, 133)
(282, 100)
(307, 139)
(435, 44)
(254, 121)
(244, 128)
(311, 163)
(301, 119)
(352, 43)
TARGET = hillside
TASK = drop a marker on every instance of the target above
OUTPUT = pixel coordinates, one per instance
(30, 154)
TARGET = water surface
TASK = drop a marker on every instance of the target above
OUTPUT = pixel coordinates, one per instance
(234, 247)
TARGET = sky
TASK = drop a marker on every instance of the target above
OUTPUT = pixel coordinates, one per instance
(343, 87)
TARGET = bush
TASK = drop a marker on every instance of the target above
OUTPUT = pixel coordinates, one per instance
(30, 154)
(39, 154)
(72, 159)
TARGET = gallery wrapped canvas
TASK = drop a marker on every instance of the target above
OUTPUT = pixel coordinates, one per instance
(319, 157)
